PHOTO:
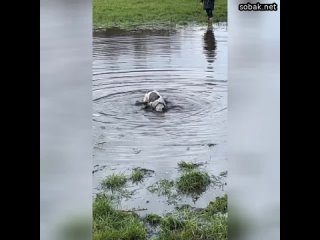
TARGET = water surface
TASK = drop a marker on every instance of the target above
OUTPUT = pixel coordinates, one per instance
(188, 67)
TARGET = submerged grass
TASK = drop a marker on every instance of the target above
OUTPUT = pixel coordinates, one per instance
(153, 219)
(187, 166)
(163, 187)
(139, 13)
(137, 175)
(193, 182)
(186, 223)
(114, 182)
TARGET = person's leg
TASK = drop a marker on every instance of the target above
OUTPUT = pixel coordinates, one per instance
(209, 13)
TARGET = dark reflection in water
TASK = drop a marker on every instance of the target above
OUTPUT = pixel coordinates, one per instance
(189, 68)
(209, 45)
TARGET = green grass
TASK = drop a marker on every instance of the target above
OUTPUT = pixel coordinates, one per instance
(220, 205)
(183, 207)
(137, 175)
(153, 219)
(112, 224)
(193, 182)
(114, 182)
(194, 228)
(172, 223)
(145, 13)
(102, 206)
(187, 166)
(186, 224)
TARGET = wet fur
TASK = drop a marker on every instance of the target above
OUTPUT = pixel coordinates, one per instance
(153, 100)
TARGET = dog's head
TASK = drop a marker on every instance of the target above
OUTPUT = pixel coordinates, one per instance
(151, 96)
(160, 107)
(155, 101)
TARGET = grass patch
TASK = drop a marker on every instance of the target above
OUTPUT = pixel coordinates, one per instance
(194, 182)
(183, 207)
(102, 206)
(114, 182)
(194, 225)
(140, 13)
(153, 219)
(137, 176)
(184, 166)
(220, 205)
(186, 223)
(193, 229)
(163, 187)
(112, 224)
(172, 223)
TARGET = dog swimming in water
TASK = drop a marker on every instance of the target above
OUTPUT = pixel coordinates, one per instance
(155, 101)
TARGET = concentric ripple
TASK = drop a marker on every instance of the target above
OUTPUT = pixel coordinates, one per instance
(188, 67)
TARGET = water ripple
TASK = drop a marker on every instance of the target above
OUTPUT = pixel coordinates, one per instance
(187, 67)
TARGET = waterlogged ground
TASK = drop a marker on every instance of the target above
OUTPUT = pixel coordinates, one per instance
(188, 66)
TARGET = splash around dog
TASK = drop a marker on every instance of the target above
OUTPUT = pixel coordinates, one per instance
(155, 101)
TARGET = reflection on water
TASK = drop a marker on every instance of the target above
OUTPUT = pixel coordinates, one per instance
(189, 68)
(210, 45)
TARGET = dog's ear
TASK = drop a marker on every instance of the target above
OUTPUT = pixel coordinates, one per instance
(146, 98)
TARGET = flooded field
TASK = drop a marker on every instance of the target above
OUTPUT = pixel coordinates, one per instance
(188, 66)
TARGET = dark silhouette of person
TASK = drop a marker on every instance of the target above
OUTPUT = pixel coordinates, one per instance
(209, 45)
(208, 5)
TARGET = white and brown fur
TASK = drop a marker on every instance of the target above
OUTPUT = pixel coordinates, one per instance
(155, 101)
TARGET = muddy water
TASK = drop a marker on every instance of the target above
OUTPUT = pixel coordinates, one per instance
(188, 67)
